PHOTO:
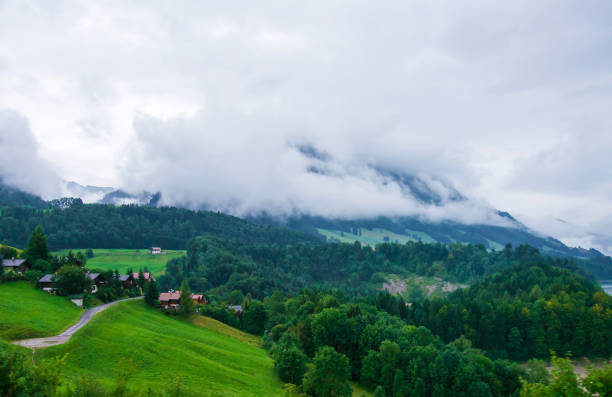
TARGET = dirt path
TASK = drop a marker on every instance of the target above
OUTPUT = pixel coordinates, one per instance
(64, 336)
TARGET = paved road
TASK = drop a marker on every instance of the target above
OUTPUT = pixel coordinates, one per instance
(64, 336)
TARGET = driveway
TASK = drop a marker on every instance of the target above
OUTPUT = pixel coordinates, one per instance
(65, 336)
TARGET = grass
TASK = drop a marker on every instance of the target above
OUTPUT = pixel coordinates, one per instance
(375, 236)
(224, 329)
(124, 259)
(27, 312)
(164, 348)
(360, 391)
(17, 249)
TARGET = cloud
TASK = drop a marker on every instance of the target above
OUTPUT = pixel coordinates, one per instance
(20, 164)
(508, 102)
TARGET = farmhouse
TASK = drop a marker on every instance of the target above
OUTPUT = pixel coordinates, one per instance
(47, 283)
(156, 250)
(18, 265)
(171, 299)
(98, 281)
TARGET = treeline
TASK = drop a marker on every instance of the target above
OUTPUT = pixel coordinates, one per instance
(524, 311)
(260, 269)
(72, 224)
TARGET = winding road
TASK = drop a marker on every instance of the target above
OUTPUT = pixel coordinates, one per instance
(65, 336)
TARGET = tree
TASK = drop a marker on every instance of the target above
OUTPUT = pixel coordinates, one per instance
(599, 381)
(151, 294)
(254, 317)
(71, 279)
(141, 279)
(329, 375)
(89, 253)
(379, 392)
(289, 360)
(186, 305)
(37, 246)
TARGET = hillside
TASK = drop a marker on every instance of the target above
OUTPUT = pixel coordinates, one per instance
(27, 312)
(164, 348)
(225, 265)
(403, 229)
(72, 224)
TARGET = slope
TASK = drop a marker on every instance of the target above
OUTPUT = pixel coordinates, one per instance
(165, 348)
(26, 312)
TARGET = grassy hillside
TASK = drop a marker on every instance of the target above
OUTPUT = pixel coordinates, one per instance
(8, 246)
(26, 312)
(374, 236)
(165, 348)
(124, 259)
(224, 329)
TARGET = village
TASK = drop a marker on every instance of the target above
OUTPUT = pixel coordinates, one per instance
(99, 283)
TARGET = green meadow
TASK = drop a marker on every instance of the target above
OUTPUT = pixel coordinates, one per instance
(163, 349)
(375, 236)
(124, 259)
(26, 312)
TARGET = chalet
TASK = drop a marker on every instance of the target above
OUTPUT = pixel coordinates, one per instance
(47, 283)
(18, 265)
(156, 250)
(98, 281)
(172, 299)
(127, 280)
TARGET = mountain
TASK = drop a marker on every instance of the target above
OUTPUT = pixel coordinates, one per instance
(121, 197)
(88, 193)
(11, 196)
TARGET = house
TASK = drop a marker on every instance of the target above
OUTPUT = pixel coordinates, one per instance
(172, 299)
(127, 280)
(147, 276)
(98, 281)
(156, 250)
(47, 283)
(18, 265)
(236, 308)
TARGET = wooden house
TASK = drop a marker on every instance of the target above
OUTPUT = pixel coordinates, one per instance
(127, 280)
(18, 265)
(98, 281)
(47, 283)
(171, 299)
(156, 250)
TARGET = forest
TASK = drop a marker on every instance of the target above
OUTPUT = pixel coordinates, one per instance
(68, 223)
(261, 269)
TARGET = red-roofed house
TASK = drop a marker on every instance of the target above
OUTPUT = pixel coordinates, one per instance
(172, 298)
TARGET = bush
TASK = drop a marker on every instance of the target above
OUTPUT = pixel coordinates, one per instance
(33, 275)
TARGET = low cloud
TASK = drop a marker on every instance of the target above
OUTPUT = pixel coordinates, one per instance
(20, 164)
(245, 166)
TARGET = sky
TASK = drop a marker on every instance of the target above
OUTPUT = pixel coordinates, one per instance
(212, 103)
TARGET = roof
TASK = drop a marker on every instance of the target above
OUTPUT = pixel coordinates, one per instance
(146, 275)
(125, 277)
(169, 296)
(93, 276)
(13, 262)
(236, 308)
(156, 248)
(174, 296)
(47, 278)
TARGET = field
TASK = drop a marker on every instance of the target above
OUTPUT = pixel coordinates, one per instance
(124, 259)
(375, 236)
(26, 312)
(164, 348)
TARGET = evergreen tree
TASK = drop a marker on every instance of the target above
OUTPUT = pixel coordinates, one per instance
(187, 306)
(37, 246)
(152, 294)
